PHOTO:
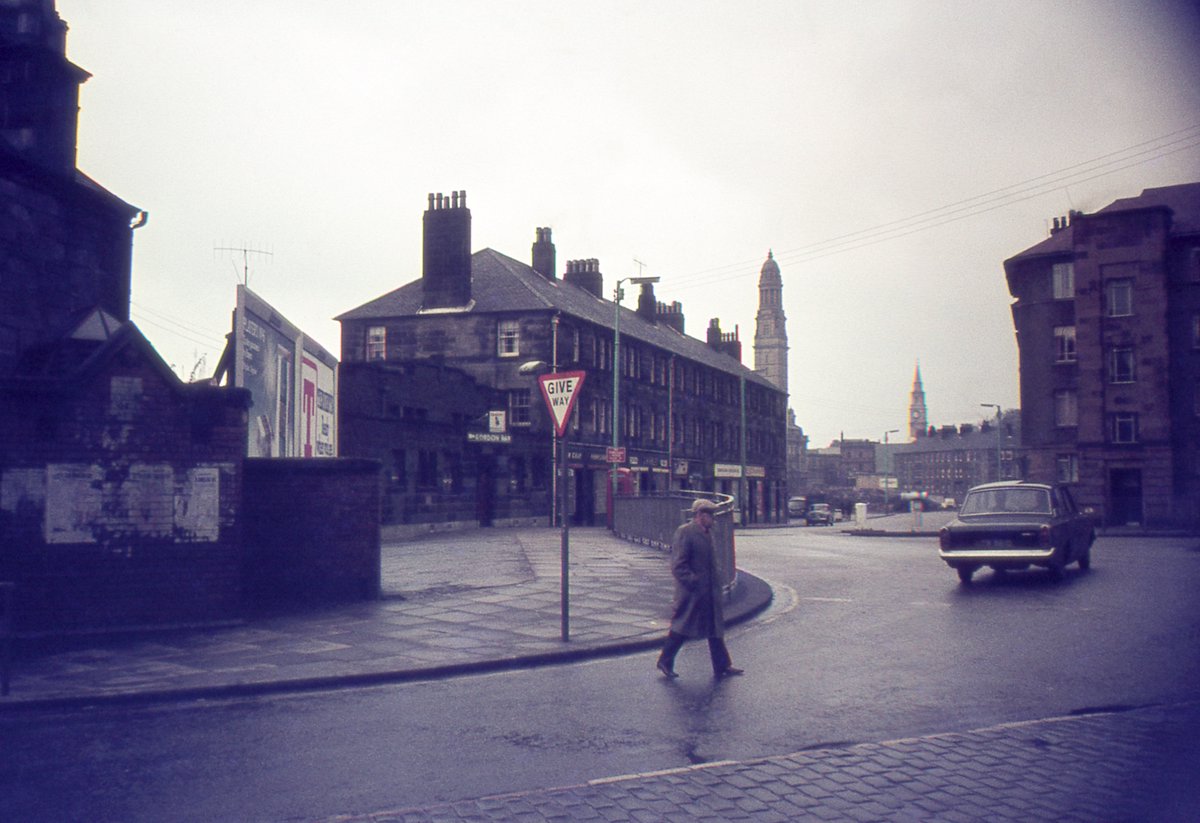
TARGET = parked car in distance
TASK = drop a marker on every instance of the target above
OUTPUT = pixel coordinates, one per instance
(1013, 525)
(819, 514)
(795, 506)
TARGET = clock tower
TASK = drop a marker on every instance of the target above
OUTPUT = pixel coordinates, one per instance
(770, 331)
(917, 421)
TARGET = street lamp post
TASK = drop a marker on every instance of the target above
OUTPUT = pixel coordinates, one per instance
(616, 392)
(885, 469)
(996, 406)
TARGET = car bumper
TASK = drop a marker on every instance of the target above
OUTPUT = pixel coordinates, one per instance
(987, 557)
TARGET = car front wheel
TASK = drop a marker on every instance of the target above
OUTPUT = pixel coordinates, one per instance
(965, 573)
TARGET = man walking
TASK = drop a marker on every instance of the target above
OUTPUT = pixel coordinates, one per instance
(698, 609)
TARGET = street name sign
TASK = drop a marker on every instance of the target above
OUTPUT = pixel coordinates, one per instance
(488, 437)
(560, 392)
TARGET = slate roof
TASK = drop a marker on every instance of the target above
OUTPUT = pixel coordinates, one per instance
(500, 284)
(1183, 200)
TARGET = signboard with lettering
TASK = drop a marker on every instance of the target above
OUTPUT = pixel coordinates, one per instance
(615, 454)
(292, 382)
(488, 437)
(560, 392)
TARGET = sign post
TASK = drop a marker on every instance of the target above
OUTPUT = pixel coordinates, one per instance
(560, 392)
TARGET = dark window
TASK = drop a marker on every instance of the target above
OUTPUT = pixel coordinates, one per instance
(1064, 344)
(1066, 408)
(518, 407)
(427, 473)
(1118, 298)
(1121, 366)
(376, 343)
(1063, 279)
(1068, 468)
(1125, 427)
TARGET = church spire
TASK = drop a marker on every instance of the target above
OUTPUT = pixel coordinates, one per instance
(770, 331)
(917, 416)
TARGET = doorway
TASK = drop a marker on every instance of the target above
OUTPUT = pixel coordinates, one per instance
(1125, 497)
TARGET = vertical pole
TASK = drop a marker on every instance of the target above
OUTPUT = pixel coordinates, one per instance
(565, 551)
(553, 436)
(671, 424)
(999, 474)
(742, 479)
(616, 392)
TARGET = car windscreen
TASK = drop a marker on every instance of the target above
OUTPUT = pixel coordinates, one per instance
(1006, 501)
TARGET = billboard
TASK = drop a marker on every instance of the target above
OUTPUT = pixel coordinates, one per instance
(292, 381)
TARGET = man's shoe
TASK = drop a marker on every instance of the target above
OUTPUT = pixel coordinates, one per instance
(730, 671)
(667, 671)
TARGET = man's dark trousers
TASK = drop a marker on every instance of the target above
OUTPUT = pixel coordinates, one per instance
(716, 651)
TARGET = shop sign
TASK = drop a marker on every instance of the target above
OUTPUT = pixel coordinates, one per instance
(726, 470)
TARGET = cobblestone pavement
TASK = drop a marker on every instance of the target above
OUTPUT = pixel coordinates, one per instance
(1139, 765)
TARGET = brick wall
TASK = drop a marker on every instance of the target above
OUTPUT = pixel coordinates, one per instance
(119, 491)
(311, 530)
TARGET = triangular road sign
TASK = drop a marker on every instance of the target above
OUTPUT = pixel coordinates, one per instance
(560, 391)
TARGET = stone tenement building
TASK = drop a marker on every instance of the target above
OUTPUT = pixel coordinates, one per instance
(1107, 315)
(689, 412)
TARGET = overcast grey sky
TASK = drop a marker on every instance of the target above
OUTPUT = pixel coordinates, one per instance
(892, 154)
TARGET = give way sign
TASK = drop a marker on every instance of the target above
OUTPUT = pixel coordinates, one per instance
(560, 391)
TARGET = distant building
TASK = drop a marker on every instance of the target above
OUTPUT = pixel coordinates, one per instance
(797, 450)
(946, 461)
(1107, 316)
(690, 414)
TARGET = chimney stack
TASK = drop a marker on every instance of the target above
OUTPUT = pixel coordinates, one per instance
(671, 315)
(647, 306)
(543, 255)
(724, 342)
(446, 264)
(586, 275)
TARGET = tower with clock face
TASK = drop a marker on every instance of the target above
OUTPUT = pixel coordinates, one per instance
(917, 420)
(770, 332)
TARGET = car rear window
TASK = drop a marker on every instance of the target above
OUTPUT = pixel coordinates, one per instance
(1006, 501)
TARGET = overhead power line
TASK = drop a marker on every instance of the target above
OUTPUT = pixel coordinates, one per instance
(1084, 171)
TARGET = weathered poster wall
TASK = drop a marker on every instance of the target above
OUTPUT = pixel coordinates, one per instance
(83, 503)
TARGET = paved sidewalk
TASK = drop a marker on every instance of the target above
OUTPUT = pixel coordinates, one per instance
(453, 603)
(1138, 766)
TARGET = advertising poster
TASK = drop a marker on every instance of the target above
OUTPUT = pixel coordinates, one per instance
(292, 382)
